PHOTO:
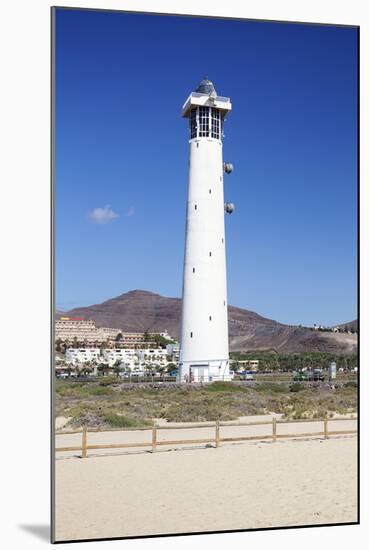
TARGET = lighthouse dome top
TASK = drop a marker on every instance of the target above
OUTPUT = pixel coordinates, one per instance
(206, 87)
(206, 96)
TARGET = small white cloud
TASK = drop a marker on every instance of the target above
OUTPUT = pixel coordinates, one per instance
(103, 215)
(131, 211)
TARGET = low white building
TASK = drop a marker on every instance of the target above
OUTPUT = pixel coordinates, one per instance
(127, 357)
(81, 355)
(135, 358)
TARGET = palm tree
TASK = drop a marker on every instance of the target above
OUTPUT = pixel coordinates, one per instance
(93, 365)
(149, 369)
(128, 370)
(117, 370)
(160, 369)
(103, 368)
(117, 367)
(86, 369)
(58, 344)
(78, 370)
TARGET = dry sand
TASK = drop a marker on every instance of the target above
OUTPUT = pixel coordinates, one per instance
(237, 486)
(61, 421)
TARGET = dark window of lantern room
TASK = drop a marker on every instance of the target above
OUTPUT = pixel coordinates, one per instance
(215, 123)
(193, 123)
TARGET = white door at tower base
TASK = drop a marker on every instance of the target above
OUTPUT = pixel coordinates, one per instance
(199, 374)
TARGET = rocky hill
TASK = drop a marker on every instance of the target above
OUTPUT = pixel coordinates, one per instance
(140, 310)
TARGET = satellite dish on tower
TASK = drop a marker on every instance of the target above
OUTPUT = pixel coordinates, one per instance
(228, 167)
(229, 207)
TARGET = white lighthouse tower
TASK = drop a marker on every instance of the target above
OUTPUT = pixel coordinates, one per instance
(204, 354)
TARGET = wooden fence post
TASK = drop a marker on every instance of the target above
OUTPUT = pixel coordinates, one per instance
(84, 442)
(217, 433)
(154, 438)
(325, 428)
(274, 426)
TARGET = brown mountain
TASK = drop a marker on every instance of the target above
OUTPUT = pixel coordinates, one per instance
(139, 310)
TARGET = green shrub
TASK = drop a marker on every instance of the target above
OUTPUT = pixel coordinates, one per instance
(107, 380)
(351, 384)
(270, 387)
(97, 390)
(225, 387)
(118, 421)
(296, 387)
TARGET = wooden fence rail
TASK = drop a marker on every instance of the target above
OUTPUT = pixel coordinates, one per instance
(216, 440)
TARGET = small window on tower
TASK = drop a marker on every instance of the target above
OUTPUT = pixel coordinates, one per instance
(209, 317)
(191, 334)
(193, 270)
(209, 253)
(209, 191)
(195, 206)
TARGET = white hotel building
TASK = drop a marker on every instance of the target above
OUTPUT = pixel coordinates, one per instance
(82, 355)
(135, 358)
(69, 329)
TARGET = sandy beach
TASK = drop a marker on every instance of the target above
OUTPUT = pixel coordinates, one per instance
(237, 486)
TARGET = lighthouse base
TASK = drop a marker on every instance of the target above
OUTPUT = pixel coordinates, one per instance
(204, 371)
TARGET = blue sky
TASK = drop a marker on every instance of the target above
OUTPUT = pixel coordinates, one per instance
(122, 157)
